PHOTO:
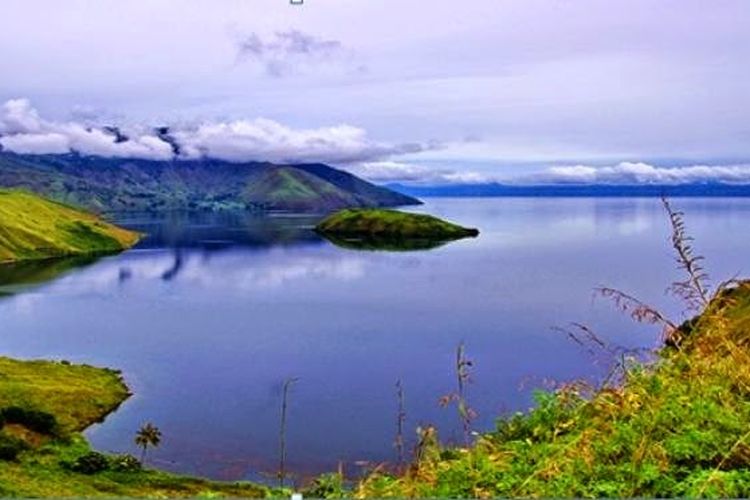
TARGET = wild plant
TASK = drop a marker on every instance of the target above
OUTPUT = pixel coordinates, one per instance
(400, 420)
(282, 429)
(466, 414)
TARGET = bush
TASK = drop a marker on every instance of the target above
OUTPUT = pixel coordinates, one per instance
(11, 446)
(34, 420)
(327, 486)
(125, 463)
(90, 463)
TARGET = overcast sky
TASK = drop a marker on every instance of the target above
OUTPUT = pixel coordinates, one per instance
(427, 91)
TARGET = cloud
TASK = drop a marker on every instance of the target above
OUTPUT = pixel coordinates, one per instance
(393, 171)
(263, 139)
(288, 52)
(23, 131)
(628, 173)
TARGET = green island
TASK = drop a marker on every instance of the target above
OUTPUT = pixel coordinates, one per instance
(382, 229)
(33, 228)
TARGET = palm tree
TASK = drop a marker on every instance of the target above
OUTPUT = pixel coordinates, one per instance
(147, 435)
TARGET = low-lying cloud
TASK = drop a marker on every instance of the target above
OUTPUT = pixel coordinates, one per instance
(23, 131)
(628, 173)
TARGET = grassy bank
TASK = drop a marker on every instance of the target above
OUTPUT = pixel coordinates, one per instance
(49, 460)
(35, 228)
(677, 427)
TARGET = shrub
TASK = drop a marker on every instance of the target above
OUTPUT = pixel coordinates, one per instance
(35, 420)
(327, 486)
(125, 463)
(90, 463)
(11, 446)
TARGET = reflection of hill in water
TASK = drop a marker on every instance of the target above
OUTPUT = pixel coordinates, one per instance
(206, 232)
(20, 276)
(386, 244)
(217, 230)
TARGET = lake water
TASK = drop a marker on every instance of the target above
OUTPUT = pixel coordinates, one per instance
(211, 312)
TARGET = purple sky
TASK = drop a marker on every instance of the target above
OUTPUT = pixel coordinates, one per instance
(425, 91)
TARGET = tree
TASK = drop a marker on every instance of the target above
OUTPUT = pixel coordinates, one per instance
(147, 435)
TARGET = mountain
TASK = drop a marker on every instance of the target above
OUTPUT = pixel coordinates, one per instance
(34, 228)
(116, 184)
(575, 190)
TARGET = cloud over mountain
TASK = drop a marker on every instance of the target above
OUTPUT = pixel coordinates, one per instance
(23, 131)
(627, 173)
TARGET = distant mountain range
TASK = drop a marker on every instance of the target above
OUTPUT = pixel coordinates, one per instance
(575, 190)
(116, 184)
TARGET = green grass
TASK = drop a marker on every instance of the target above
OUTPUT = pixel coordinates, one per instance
(294, 189)
(677, 427)
(381, 224)
(79, 395)
(35, 228)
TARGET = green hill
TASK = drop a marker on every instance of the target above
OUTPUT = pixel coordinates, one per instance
(34, 228)
(117, 184)
(44, 454)
(296, 190)
(391, 224)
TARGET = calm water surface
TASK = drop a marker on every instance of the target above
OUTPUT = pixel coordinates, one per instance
(209, 314)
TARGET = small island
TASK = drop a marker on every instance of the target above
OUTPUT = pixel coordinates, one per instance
(34, 228)
(380, 229)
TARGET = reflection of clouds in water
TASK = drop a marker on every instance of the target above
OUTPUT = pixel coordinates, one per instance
(232, 270)
(24, 303)
(636, 225)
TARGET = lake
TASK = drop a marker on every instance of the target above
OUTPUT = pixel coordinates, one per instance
(212, 312)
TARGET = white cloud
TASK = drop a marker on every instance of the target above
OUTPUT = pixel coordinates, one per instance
(394, 171)
(628, 173)
(263, 139)
(23, 131)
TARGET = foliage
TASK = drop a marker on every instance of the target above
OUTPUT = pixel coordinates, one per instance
(11, 446)
(327, 486)
(35, 420)
(90, 463)
(147, 435)
(125, 463)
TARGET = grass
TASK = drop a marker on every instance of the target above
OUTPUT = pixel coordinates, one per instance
(390, 228)
(79, 395)
(35, 228)
(679, 427)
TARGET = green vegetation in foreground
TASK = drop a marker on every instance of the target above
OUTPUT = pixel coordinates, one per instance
(34, 228)
(679, 427)
(374, 229)
(77, 396)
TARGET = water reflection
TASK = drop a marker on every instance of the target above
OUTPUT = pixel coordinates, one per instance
(23, 276)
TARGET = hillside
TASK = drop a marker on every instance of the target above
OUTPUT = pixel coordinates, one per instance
(34, 228)
(43, 453)
(674, 428)
(112, 184)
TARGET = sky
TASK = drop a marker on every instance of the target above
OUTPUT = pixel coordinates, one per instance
(431, 92)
